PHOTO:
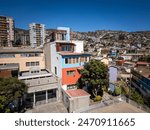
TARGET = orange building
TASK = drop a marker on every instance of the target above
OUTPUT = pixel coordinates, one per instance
(70, 76)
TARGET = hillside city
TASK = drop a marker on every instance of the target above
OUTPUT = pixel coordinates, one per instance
(63, 71)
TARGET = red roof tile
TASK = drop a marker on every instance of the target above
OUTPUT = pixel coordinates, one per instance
(142, 63)
(77, 93)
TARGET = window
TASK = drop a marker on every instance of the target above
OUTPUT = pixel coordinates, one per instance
(35, 71)
(69, 60)
(30, 55)
(27, 63)
(7, 55)
(71, 73)
(32, 63)
(73, 86)
(77, 60)
(36, 63)
(66, 61)
(82, 59)
(55, 70)
(74, 60)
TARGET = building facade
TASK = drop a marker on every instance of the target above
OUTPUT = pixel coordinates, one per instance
(22, 37)
(43, 87)
(37, 34)
(141, 78)
(25, 58)
(65, 57)
(6, 31)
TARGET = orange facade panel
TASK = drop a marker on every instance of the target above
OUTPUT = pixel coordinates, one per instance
(70, 76)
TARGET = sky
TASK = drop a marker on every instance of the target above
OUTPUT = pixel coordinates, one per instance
(80, 15)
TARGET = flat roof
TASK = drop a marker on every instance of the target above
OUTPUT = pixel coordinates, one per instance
(73, 53)
(19, 50)
(142, 63)
(133, 54)
(145, 71)
(27, 74)
(77, 93)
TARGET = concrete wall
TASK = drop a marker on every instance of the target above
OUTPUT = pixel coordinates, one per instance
(47, 52)
(78, 103)
(22, 61)
(79, 48)
(75, 104)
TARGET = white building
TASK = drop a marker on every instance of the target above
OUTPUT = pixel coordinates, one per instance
(67, 30)
(37, 34)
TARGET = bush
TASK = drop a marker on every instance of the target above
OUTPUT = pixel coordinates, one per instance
(117, 91)
(97, 98)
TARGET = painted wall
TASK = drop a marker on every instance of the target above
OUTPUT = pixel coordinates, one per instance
(113, 73)
(64, 65)
(68, 80)
(68, 32)
(56, 60)
(22, 61)
(79, 48)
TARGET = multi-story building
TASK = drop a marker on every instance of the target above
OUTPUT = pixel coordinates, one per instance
(141, 78)
(22, 37)
(37, 34)
(6, 31)
(29, 66)
(26, 58)
(43, 87)
(64, 57)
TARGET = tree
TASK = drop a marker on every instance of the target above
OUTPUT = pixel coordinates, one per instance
(94, 77)
(11, 89)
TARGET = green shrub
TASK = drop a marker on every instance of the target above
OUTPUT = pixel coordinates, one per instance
(98, 98)
(117, 91)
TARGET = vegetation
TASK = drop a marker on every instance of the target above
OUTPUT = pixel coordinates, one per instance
(136, 96)
(97, 98)
(145, 59)
(11, 89)
(94, 78)
(117, 91)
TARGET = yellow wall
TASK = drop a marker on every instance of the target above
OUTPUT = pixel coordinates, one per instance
(22, 61)
(105, 61)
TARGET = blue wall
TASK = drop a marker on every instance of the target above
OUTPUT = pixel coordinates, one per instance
(75, 64)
